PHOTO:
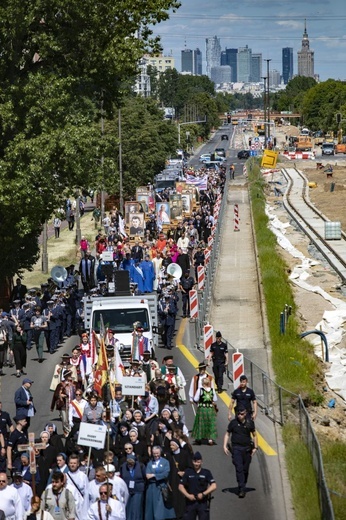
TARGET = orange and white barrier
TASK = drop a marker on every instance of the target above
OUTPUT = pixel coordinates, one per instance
(208, 331)
(193, 303)
(200, 277)
(237, 368)
(236, 218)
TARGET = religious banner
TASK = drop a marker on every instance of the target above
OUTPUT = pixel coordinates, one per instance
(176, 206)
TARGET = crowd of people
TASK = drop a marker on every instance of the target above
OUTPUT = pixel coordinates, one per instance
(148, 468)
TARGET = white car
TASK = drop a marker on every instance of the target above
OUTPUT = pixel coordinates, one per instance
(204, 157)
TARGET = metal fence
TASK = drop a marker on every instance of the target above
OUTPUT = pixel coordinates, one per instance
(277, 403)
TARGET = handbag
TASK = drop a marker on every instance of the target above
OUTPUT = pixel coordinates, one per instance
(167, 495)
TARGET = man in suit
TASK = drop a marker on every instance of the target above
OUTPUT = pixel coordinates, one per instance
(24, 401)
(19, 291)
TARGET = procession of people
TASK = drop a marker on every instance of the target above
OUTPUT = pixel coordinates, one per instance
(147, 468)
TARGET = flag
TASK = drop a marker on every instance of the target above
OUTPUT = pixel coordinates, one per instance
(93, 349)
(121, 226)
(101, 372)
(119, 367)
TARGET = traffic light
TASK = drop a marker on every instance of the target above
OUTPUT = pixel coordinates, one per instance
(229, 118)
(338, 118)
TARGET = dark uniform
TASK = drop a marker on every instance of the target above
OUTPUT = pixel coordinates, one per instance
(218, 353)
(15, 439)
(186, 283)
(195, 483)
(244, 399)
(242, 446)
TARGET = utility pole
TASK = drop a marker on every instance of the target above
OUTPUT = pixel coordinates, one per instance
(121, 196)
(102, 162)
(189, 123)
(78, 230)
(45, 248)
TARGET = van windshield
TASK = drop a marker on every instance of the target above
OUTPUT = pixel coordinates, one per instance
(121, 320)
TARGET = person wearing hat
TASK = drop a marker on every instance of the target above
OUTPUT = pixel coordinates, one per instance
(175, 382)
(17, 437)
(219, 356)
(26, 321)
(48, 333)
(149, 365)
(242, 433)
(24, 400)
(16, 313)
(38, 324)
(197, 485)
(133, 474)
(196, 381)
(23, 489)
(64, 393)
(179, 460)
(157, 473)
(245, 397)
(204, 426)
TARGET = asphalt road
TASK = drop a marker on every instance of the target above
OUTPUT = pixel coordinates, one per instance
(264, 498)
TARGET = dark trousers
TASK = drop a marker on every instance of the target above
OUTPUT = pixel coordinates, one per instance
(167, 336)
(195, 510)
(3, 353)
(241, 458)
(186, 304)
(219, 370)
(19, 352)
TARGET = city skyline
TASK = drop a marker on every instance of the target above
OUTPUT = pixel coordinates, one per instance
(254, 24)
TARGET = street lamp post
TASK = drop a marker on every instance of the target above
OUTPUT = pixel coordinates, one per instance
(264, 108)
(268, 101)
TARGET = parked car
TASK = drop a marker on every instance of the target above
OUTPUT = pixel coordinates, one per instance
(243, 154)
(204, 157)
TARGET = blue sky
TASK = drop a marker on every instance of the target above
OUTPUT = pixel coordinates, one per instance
(266, 26)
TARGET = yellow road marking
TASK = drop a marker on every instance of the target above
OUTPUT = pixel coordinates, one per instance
(265, 447)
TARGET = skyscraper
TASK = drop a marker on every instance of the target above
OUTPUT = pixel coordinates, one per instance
(287, 64)
(229, 57)
(213, 53)
(221, 74)
(191, 61)
(256, 68)
(306, 57)
(244, 58)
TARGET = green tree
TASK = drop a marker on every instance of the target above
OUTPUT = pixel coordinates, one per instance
(321, 104)
(58, 59)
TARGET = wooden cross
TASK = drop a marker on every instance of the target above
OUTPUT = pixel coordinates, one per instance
(31, 447)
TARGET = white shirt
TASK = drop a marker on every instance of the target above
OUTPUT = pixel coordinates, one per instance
(11, 504)
(81, 497)
(120, 490)
(115, 514)
(25, 493)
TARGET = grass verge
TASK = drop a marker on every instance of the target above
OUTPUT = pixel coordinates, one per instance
(293, 359)
(301, 474)
(296, 368)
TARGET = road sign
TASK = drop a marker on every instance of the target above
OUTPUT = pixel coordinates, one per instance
(193, 303)
(256, 139)
(237, 368)
(92, 435)
(208, 331)
(133, 385)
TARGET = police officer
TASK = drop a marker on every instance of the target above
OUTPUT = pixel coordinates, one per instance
(244, 397)
(167, 312)
(219, 355)
(186, 284)
(243, 446)
(196, 485)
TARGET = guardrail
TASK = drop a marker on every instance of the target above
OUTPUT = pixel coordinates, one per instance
(278, 404)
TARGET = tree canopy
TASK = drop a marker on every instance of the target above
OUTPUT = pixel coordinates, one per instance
(58, 61)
